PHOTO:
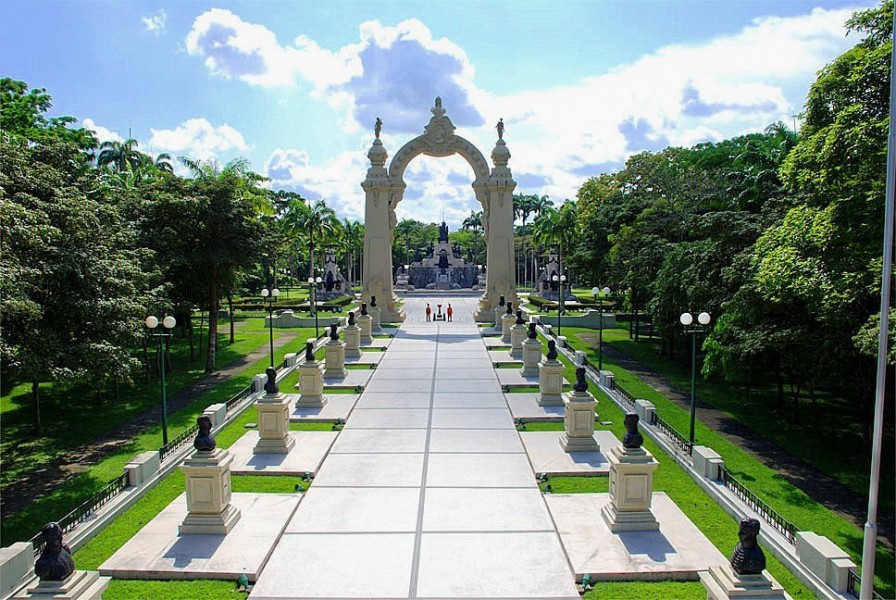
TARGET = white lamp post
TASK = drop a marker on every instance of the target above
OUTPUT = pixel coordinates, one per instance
(168, 323)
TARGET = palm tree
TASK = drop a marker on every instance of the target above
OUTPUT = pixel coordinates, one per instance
(473, 222)
(556, 226)
(119, 156)
(320, 224)
(352, 243)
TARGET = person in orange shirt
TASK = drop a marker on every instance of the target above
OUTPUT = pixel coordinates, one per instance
(428, 312)
(450, 311)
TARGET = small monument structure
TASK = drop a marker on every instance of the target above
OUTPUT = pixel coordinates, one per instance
(531, 352)
(499, 313)
(745, 575)
(335, 357)
(517, 335)
(550, 378)
(57, 577)
(443, 268)
(209, 510)
(365, 325)
(311, 380)
(375, 313)
(507, 322)
(273, 419)
(631, 483)
(578, 418)
(352, 337)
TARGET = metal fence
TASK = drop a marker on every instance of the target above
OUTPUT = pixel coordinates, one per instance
(84, 510)
(854, 584)
(626, 395)
(768, 514)
(678, 439)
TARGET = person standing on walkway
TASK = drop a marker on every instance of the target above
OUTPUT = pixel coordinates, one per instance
(428, 312)
(450, 311)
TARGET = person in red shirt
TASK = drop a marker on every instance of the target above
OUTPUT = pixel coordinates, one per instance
(428, 312)
(450, 311)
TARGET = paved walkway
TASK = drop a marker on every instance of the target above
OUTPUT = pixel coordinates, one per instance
(427, 492)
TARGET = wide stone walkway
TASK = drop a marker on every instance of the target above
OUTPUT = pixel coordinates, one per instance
(427, 492)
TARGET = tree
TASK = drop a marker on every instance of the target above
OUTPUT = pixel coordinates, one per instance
(121, 156)
(76, 283)
(22, 114)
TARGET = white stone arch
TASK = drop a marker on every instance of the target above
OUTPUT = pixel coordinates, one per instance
(493, 189)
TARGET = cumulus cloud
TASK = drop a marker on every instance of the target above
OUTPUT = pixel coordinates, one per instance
(198, 139)
(102, 134)
(155, 22)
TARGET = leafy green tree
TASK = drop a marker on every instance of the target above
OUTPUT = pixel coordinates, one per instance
(22, 114)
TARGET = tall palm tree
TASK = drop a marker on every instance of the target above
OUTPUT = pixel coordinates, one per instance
(352, 243)
(119, 156)
(473, 222)
(320, 224)
(556, 226)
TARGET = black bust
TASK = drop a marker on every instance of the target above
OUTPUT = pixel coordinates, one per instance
(204, 440)
(501, 301)
(552, 350)
(351, 318)
(373, 302)
(510, 308)
(364, 309)
(519, 318)
(632, 438)
(747, 558)
(581, 385)
(309, 351)
(270, 385)
(55, 562)
(532, 335)
(334, 335)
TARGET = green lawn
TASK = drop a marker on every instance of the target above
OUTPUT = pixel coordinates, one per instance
(25, 523)
(769, 485)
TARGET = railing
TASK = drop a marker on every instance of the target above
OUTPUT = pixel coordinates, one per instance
(678, 439)
(177, 442)
(85, 510)
(768, 514)
(626, 395)
(853, 585)
(238, 397)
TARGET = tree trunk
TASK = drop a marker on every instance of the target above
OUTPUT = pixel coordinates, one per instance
(780, 384)
(35, 394)
(749, 376)
(146, 368)
(190, 330)
(212, 331)
(230, 310)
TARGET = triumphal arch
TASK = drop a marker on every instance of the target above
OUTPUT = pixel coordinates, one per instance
(384, 188)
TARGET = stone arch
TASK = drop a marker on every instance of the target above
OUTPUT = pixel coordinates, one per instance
(454, 144)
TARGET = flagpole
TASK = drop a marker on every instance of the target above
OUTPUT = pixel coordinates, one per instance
(869, 546)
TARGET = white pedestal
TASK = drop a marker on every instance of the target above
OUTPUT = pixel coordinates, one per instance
(80, 585)
(352, 341)
(335, 360)
(722, 583)
(365, 324)
(507, 322)
(517, 335)
(208, 494)
(631, 490)
(550, 383)
(500, 311)
(375, 315)
(273, 425)
(578, 420)
(531, 356)
(311, 385)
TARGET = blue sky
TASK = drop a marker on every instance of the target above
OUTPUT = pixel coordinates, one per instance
(295, 86)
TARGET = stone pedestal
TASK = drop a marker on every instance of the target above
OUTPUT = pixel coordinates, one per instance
(352, 341)
(208, 494)
(80, 585)
(631, 490)
(365, 325)
(578, 420)
(550, 383)
(517, 335)
(273, 425)
(507, 322)
(311, 385)
(722, 583)
(499, 314)
(531, 356)
(375, 315)
(335, 360)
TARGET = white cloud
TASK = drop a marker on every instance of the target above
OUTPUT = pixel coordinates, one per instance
(155, 22)
(198, 139)
(102, 134)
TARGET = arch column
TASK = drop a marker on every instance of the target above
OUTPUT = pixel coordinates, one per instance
(381, 196)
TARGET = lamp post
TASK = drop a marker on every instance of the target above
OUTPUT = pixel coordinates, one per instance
(269, 297)
(562, 280)
(687, 319)
(312, 295)
(600, 321)
(168, 323)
